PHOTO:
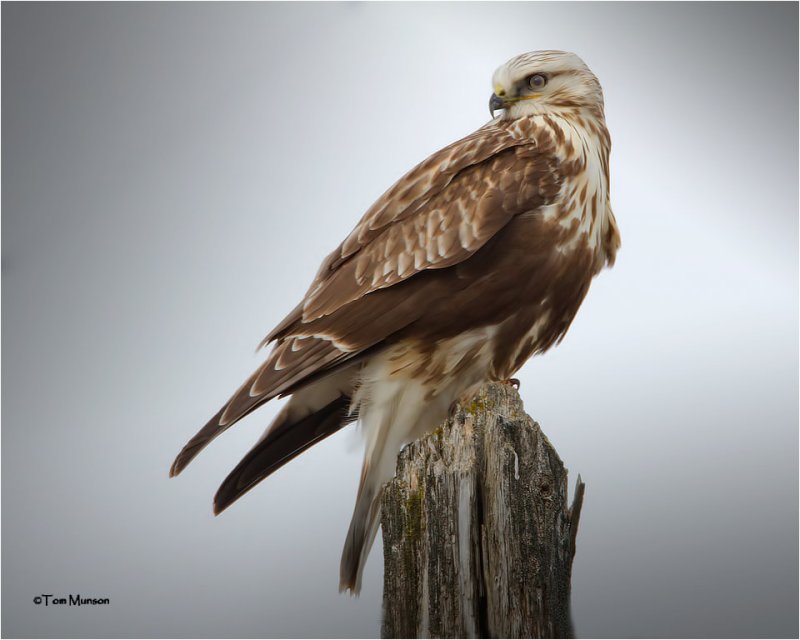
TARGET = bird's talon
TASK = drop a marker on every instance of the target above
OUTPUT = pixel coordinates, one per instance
(514, 382)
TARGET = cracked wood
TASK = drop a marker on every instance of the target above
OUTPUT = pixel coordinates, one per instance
(478, 533)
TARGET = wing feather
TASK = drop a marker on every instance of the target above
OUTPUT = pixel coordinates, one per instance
(399, 235)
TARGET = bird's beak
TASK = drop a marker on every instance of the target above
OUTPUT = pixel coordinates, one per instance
(495, 103)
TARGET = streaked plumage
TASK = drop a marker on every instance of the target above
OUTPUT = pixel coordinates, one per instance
(474, 261)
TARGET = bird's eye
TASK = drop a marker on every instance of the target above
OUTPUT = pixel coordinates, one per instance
(537, 81)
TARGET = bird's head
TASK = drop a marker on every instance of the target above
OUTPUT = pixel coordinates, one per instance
(544, 82)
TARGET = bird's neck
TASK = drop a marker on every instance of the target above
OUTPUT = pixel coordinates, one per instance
(579, 139)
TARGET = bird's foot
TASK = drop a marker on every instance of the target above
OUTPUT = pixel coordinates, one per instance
(514, 382)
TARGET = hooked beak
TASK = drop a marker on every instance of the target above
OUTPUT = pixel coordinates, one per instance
(495, 103)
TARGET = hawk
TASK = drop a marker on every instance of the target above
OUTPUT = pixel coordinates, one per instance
(474, 261)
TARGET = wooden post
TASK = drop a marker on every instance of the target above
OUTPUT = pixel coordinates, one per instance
(478, 536)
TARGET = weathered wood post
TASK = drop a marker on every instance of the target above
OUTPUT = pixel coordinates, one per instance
(478, 536)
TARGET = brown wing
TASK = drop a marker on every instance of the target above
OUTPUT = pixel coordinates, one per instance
(284, 443)
(436, 216)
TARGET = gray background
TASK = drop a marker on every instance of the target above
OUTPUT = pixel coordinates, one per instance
(172, 177)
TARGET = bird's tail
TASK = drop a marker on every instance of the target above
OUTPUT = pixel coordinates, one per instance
(392, 411)
(361, 534)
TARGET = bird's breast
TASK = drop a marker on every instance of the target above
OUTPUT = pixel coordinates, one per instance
(578, 213)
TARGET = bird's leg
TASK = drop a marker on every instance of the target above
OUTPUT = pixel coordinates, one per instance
(514, 382)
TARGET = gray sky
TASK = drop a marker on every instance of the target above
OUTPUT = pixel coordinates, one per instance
(174, 174)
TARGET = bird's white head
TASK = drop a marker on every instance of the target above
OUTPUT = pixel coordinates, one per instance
(542, 82)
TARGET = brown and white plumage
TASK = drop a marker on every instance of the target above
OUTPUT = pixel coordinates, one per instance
(475, 260)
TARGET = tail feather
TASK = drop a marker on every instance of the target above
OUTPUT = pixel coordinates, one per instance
(393, 410)
(282, 443)
(360, 536)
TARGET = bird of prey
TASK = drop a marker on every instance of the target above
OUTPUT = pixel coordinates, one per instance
(475, 260)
